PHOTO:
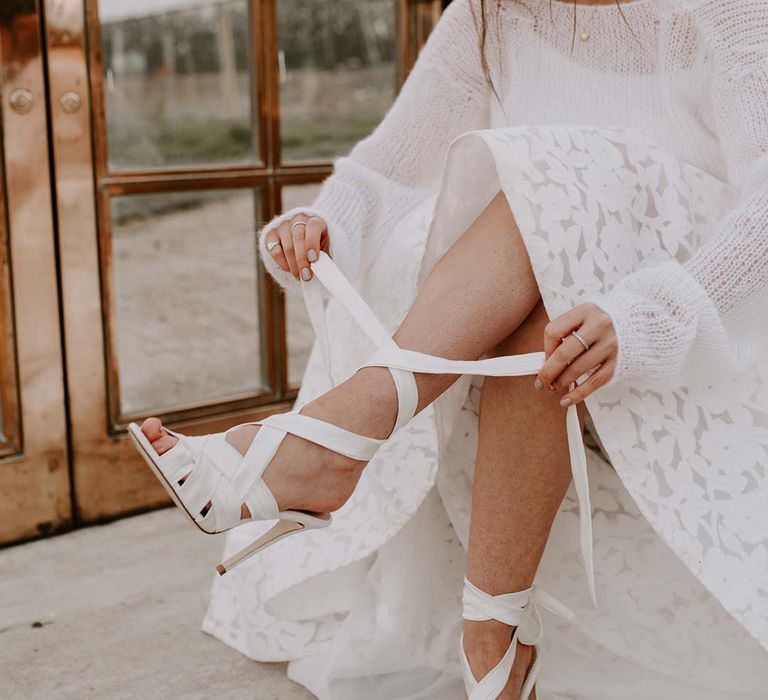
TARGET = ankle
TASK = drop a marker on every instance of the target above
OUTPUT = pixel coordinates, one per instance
(366, 403)
(485, 643)
(241, 437)
(323, 484)
(487, 639)
(377, 401)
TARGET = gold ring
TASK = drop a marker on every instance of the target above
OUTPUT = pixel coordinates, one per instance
(296, 223)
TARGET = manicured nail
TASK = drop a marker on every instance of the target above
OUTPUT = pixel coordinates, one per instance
(311, 255)
(306, 275)
(565, 403)
(538, 385)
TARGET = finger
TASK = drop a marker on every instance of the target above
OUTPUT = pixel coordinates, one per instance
(299, 233)
(560, 327)
(286, 240)
(276, 251)
(598, 353)
(325, 241)
(599, 378)
(312, 240)
(565, 353)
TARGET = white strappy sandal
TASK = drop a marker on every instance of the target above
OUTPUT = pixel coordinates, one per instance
(520, 610)
(215, 472)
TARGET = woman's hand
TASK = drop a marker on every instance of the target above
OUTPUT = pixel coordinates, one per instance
(296, 243)
(567, 358)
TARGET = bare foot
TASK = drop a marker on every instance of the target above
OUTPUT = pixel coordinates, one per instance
(485, 643)
(303, 475)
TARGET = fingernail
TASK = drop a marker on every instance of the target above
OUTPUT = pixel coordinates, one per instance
(538, 385)
(311, 255)
(306, 275)
(565, 403)
(551, 387)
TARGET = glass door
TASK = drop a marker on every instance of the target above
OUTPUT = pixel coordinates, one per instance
(34, 470)
(178, 128)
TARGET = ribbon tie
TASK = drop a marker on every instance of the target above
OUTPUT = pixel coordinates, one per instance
(520, 609)
(390, 355)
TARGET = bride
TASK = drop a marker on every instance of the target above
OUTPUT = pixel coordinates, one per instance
(547, 283)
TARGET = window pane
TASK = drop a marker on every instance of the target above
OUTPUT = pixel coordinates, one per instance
(298, 327)
(185, 298)
(177, 82)
(337, 73)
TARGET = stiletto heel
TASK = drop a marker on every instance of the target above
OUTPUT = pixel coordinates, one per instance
(517, 609)
(176, 472)
(279, 531)
(211, 482)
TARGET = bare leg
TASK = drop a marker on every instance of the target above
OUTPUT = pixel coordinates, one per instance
(478, 293)
(521, 475)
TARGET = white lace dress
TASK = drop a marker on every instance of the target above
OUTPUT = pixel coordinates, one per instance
(608, 191)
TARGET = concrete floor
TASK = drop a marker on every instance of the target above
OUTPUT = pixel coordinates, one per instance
(113, 612)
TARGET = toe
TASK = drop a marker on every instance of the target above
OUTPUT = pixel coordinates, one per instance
(164, 443)
(153, 428)
(161, 441)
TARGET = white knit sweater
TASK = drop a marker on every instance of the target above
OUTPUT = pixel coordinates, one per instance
(693, 74)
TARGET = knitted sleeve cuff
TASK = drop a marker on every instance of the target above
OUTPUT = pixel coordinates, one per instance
(340, 246)
(665, 324)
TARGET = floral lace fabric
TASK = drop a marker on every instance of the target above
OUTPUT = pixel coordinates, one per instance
(370, 606)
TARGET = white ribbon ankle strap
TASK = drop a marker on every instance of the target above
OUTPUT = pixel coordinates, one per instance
(479, 606)
(340, 287)
(327, 274)
(581, 484)
(504, 366)
(517, 609)
(403, 363)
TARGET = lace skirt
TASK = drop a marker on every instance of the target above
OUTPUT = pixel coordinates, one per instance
(370, 608)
